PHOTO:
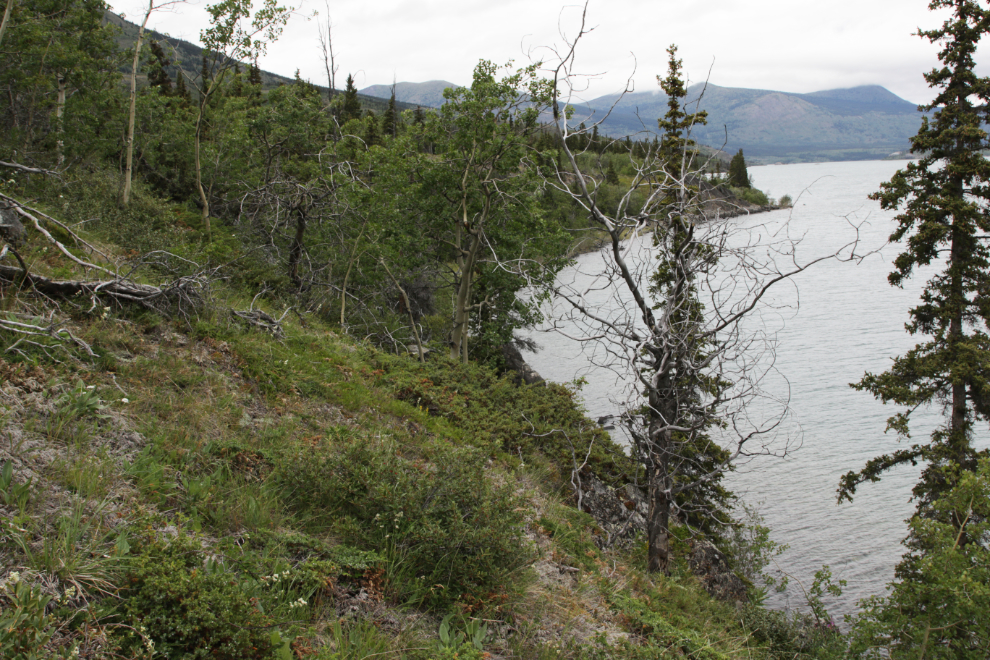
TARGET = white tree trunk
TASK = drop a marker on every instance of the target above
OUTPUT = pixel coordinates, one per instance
(129, 168)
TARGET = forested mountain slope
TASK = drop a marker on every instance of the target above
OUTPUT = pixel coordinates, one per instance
(865, 122)
(840, 124)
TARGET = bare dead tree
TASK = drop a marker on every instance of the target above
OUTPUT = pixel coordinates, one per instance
(675, 308)
(326, 44)
(125, 194)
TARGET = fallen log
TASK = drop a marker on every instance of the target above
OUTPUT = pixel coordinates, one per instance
(184, 290)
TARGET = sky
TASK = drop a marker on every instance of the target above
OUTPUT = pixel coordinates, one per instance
(765, 44)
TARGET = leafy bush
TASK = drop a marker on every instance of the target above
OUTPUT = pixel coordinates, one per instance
(449, 534)
(792, 636)
(495, 413)
(25, 627)
(752, 195)
(193, 609)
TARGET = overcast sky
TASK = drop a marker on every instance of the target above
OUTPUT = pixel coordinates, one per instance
(767, 44)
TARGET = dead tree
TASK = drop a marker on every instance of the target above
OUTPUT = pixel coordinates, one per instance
(674, 309)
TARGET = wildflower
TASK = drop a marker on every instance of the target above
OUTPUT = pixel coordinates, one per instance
(298, 603)
(125, 400)
(91, 387)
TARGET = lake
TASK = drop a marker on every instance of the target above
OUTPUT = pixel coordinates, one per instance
(832, 323)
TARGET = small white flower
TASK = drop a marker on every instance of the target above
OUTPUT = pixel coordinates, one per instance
(91, 387)
(125, 400)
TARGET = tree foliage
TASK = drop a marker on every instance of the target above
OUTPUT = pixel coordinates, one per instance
(943, 217)
(738, 175)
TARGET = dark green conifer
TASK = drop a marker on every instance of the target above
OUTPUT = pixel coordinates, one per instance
(611, 176)
(237, 86)
(389, 121)
(738, 175)
(254, 75)
(372, 136)
(158, 70)
(419, 117)
(944, 204)
(352, 106)
(181, 91)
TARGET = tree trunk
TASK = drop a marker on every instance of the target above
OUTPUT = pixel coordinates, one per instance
(6, 18)
(658, 521)
(662, 411)
(199, 170)
(459, 338)
(59, 114)
(295, 252)
(347, 275)
(125, 195)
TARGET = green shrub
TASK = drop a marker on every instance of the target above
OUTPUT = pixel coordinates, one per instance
(792, 636)
(25, 627)
(448, 533)
(752, 195)
(190, 608)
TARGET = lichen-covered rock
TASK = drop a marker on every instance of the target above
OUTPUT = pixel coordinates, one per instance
(712, 568)
(11, 229)
(620, 512)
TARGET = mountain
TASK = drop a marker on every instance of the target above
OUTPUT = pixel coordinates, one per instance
(865, 122)
(188, 57)
(428, 94)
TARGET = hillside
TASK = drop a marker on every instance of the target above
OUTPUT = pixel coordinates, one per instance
(199, 477)
(187, 56)
(427, 94)
(842, 124)
(858, 123)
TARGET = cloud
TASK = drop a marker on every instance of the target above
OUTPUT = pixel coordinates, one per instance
(768, 44)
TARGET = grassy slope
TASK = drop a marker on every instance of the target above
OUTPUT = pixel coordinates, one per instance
(209, 490)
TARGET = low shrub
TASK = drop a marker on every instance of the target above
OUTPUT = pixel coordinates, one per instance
(189, 608)
(792, 636)
(449, 534)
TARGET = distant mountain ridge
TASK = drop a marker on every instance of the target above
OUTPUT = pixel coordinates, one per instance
(866, 122)
(856, 123)
(428, 94)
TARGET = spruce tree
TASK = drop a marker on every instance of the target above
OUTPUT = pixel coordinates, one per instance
(181, 91)
(677, 123)
(158, 70)
(237, 87)
(738, 175)
(388, 121)
(372, 136)
(254, 75)
(352, 106)
(942, 200)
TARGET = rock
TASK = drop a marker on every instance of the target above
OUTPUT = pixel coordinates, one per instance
(413, 350)
(514, 362)
(621, 513)
(712, 568)
(11, 228)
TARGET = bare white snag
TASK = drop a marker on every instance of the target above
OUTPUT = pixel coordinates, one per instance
(673, 308)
